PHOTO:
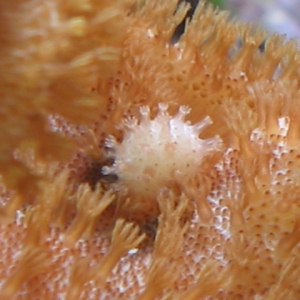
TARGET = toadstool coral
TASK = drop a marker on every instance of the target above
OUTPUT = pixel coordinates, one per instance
(226, 227)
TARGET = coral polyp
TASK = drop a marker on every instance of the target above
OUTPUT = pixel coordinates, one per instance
(160, 151)
(107, 194)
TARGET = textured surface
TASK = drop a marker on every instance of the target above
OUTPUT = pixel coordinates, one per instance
(229, 230)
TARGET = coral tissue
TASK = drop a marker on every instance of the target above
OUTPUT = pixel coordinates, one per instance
(158, 152)
(133, 167)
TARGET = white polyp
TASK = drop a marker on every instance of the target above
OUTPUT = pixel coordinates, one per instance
(153, 151)
(145, 112)
(110, 142)
(200, 126)
(182, 112)
(185, 109)
(163, 107)
(130, 123)
(212, 143)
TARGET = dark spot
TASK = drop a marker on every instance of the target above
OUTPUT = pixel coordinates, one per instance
(150, 227)
(94, 173)
(181, 27)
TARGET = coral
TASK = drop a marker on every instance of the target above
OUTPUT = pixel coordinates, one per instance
(157, 153)
(50, 58)
(226, 227)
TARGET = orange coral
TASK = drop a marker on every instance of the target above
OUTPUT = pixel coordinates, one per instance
(49, 60)
(229, 231)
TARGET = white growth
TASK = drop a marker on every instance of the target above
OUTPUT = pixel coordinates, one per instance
(155, 153)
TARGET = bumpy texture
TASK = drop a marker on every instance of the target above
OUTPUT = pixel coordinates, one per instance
(52, 53)
(228, 228)
(158, 152)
